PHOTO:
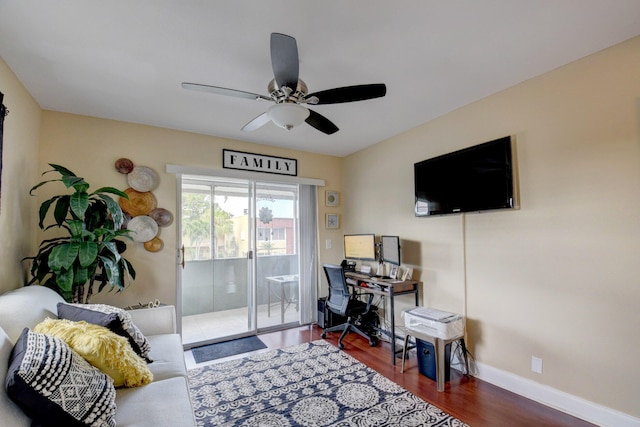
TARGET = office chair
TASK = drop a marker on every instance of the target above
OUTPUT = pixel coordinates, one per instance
(345, 304)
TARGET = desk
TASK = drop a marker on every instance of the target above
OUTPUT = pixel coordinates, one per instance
(282, 281)
(387, 288)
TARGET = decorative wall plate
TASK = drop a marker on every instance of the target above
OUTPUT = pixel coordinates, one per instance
(143, 228)
(154, 245)
(124, 165)
(142, 179)
(162, 216)
(139, 203)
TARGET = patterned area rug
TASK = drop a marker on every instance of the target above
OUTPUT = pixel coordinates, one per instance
(311, 384)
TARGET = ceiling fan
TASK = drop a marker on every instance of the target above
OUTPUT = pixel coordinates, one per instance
(290, 93)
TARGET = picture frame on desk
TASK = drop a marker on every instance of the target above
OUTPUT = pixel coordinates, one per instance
(408, 274)
(393, 273)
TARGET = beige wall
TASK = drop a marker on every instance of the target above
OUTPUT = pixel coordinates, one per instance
(557, 279)
(19, 171)
(90, 147)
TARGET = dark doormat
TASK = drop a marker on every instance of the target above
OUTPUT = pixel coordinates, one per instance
(227, 348)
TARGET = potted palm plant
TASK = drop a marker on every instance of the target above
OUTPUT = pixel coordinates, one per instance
(90, 252)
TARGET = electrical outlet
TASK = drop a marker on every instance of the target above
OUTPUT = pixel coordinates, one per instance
(536, 364)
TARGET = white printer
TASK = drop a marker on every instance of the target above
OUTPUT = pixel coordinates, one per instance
(432, 322)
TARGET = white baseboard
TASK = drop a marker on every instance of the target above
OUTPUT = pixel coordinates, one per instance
(565, 402)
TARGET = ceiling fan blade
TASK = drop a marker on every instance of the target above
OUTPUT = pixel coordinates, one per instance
(350, 93)
(284, 60)
(256, 123)
(321, 123)
(224, 91)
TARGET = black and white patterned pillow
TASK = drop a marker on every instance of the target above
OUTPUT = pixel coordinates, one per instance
(54, 385)
(114, 318)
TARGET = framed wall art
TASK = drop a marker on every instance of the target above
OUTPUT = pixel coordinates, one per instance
(332, 198)
(332, 221)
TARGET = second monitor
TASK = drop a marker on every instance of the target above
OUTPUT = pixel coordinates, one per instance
(390, 246)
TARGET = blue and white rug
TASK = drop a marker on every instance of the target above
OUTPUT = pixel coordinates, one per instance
(311, 384)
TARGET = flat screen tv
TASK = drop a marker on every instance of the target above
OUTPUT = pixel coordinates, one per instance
(360, 246)
(477, 178)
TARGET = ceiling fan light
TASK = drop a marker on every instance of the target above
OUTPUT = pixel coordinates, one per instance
(288, 115)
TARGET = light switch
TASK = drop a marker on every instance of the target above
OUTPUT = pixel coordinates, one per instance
(536, 364)
(328, 244)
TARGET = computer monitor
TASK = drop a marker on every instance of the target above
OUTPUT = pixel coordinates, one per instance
(390, 249)
(360, 246)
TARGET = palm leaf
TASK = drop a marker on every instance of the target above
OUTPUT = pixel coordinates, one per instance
(41, 184)
(63, 256)
(79, 203)
(110, 190)
(87, 254)
(60, 169)
(78, 184)
(44, 209)
(61, 210)
(111, 269)
(76, 227)
(114, 207)
(64, 280)
(81, 276)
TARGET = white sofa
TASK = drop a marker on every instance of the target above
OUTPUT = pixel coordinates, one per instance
(164, 402)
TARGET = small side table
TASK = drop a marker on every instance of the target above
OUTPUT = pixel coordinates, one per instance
(439, 344)
(282, 281)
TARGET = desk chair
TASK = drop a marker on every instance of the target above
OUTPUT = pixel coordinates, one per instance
(345, 304)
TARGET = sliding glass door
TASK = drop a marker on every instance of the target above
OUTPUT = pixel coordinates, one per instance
(240, 251)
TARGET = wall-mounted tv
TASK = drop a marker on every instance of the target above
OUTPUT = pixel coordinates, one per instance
(477, 178)
(360, 246)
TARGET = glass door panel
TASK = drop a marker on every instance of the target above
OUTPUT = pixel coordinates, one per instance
(216, 279)
(277, 264)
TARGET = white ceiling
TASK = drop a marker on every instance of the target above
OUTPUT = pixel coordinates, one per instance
(125, 59)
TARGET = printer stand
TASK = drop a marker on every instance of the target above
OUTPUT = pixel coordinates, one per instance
(439, 345)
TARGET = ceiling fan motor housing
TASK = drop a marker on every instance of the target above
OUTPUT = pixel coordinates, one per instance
(286, 94)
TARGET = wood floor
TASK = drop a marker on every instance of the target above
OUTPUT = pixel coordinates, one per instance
(471, 400)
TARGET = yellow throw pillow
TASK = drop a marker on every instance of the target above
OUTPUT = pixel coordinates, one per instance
(105, 350)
